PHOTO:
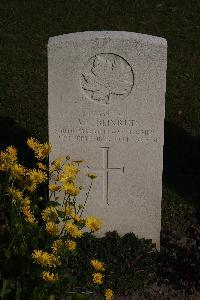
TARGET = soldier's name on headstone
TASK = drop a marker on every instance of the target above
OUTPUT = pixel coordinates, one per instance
(106, 106)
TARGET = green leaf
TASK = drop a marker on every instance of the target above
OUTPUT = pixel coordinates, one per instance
(7, 253)
(18, 291)
(79, 296)
(8, 286)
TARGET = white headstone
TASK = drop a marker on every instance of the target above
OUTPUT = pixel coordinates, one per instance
(106, 106)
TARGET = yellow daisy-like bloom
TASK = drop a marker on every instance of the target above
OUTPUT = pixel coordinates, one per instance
(41, 166)
(52, 228)
(56, 245)
(8, 158)
(3, 165)
(26, 201)
(97, 278)
(71, 245)
(17, 170)
(41, 150)
(33, 179)
(72, 229)
(69, 210)
(71, 189)
(109, 294)
(16, 194)
(37, 176)
(45, 259)
(71, 170)
(33, 144)
(99, 266)
(54, 187)
(56, 165)
(30, 186)
(63, 178)
(50, 214)
(28, 215)
(93, 223)
(49, 277)
(12, 152)
(76, 217)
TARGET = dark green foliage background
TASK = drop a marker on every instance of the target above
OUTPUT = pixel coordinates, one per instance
(25, 27)
(129, 261)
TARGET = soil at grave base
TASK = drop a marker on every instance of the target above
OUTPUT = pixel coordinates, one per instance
(160, 293)
(155, 292)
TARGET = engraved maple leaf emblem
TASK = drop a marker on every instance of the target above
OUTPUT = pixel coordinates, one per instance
(107, 75)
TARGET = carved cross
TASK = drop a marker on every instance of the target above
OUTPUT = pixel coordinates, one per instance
(105, 171)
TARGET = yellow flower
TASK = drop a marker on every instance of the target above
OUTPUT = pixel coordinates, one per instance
(99, 266)
(12, 152)
(41, 150)
(72, 229)
(44, 151)
(26, 201)
(28, 215)
(52, 228)
(71, 189)
(56, 245)
(54, 187)
(45, 259)
(8, 158)
(71, 170)
(30, 186)
(69, 210)
(49, 277)
(97, 278)
(63, 178)
(33, 144)
(16, 194)
(17, 170)
(93, 223)
(50, 214)
(56, 165)
(41, 166)
(76, 218)
(37, 176)
(71, 245)
(108, 294)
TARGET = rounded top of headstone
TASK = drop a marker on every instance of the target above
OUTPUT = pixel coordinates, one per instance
(89, 35)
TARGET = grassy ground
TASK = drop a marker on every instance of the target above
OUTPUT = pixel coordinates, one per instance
(25, 27)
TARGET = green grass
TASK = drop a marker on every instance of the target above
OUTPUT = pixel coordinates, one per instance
(25, 27)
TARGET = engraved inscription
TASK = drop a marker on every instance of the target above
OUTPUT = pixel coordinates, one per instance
(107, 77)
(105, 171)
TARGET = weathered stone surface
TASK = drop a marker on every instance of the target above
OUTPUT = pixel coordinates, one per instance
(106, 106)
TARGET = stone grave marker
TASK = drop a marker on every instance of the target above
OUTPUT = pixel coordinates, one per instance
(106, 105)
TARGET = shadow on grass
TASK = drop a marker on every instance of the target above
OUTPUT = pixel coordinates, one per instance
(182, 163)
